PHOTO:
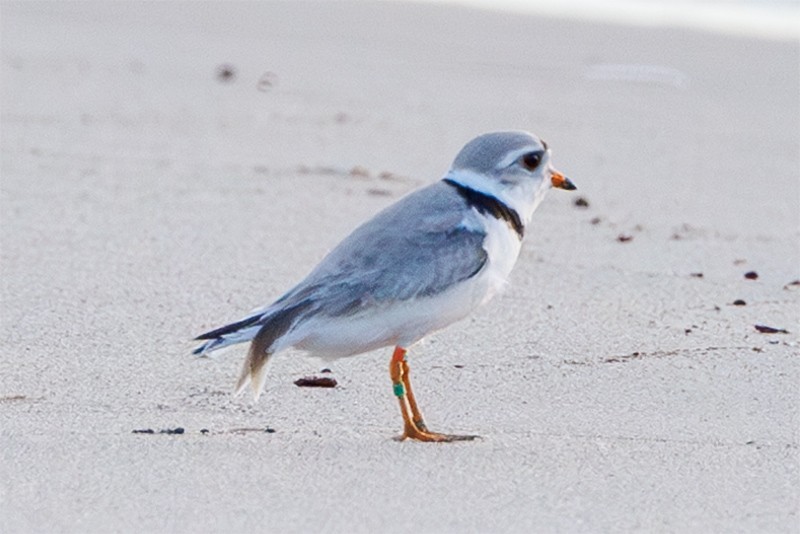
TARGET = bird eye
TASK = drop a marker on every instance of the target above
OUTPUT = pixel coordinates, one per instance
(532, 160)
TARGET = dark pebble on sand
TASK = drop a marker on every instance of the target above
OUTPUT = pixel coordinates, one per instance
(315, 382)
(739, 302)
(751, 275)
(226, 73)
(770, 330)
(176, 430)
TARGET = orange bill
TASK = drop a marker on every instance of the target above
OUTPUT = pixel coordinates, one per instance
(562, 182)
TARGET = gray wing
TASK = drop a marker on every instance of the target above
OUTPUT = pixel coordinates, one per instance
(417, 247)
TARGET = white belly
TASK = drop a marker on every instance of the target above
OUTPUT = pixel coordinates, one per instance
(404, 323)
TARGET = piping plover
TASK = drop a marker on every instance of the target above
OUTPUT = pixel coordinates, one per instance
(417, 266)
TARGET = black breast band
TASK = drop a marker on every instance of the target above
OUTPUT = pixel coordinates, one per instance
(488, 204)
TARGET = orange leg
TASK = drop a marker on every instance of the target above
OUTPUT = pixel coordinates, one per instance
(412, 418)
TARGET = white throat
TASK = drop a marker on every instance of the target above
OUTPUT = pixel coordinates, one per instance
(522, 198)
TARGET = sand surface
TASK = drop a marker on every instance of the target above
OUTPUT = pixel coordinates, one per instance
(616, 386)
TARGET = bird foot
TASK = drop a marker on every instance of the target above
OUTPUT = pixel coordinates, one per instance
(436, 437)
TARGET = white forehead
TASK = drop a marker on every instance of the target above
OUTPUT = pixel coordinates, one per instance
(496, 150)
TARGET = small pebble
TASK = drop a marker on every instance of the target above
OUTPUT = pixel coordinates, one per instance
(739, 302)
(770, 330)
(315, 382)
(751, 275)
(226, 73)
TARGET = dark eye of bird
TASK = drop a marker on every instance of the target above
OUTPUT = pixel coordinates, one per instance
(532, 160)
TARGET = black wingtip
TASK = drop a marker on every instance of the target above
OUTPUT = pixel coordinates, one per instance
(207, 335)
(228, 328)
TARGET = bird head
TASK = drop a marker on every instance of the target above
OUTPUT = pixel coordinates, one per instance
(513, 167)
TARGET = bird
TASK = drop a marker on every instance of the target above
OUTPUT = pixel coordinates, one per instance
(417, 266)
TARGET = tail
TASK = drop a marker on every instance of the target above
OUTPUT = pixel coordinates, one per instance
(264, 330)
(254, 368)
(230, 334)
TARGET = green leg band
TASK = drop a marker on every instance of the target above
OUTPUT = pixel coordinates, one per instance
(399, 389)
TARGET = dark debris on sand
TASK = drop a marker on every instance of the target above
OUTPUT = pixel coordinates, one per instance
(176, 430)
(770, 330)
(316, 382)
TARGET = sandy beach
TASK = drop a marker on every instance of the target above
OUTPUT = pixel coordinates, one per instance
(167, 167)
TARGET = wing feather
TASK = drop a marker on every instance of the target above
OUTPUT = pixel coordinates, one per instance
(416, 248)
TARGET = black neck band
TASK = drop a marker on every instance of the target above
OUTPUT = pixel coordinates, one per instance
(488, 204)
